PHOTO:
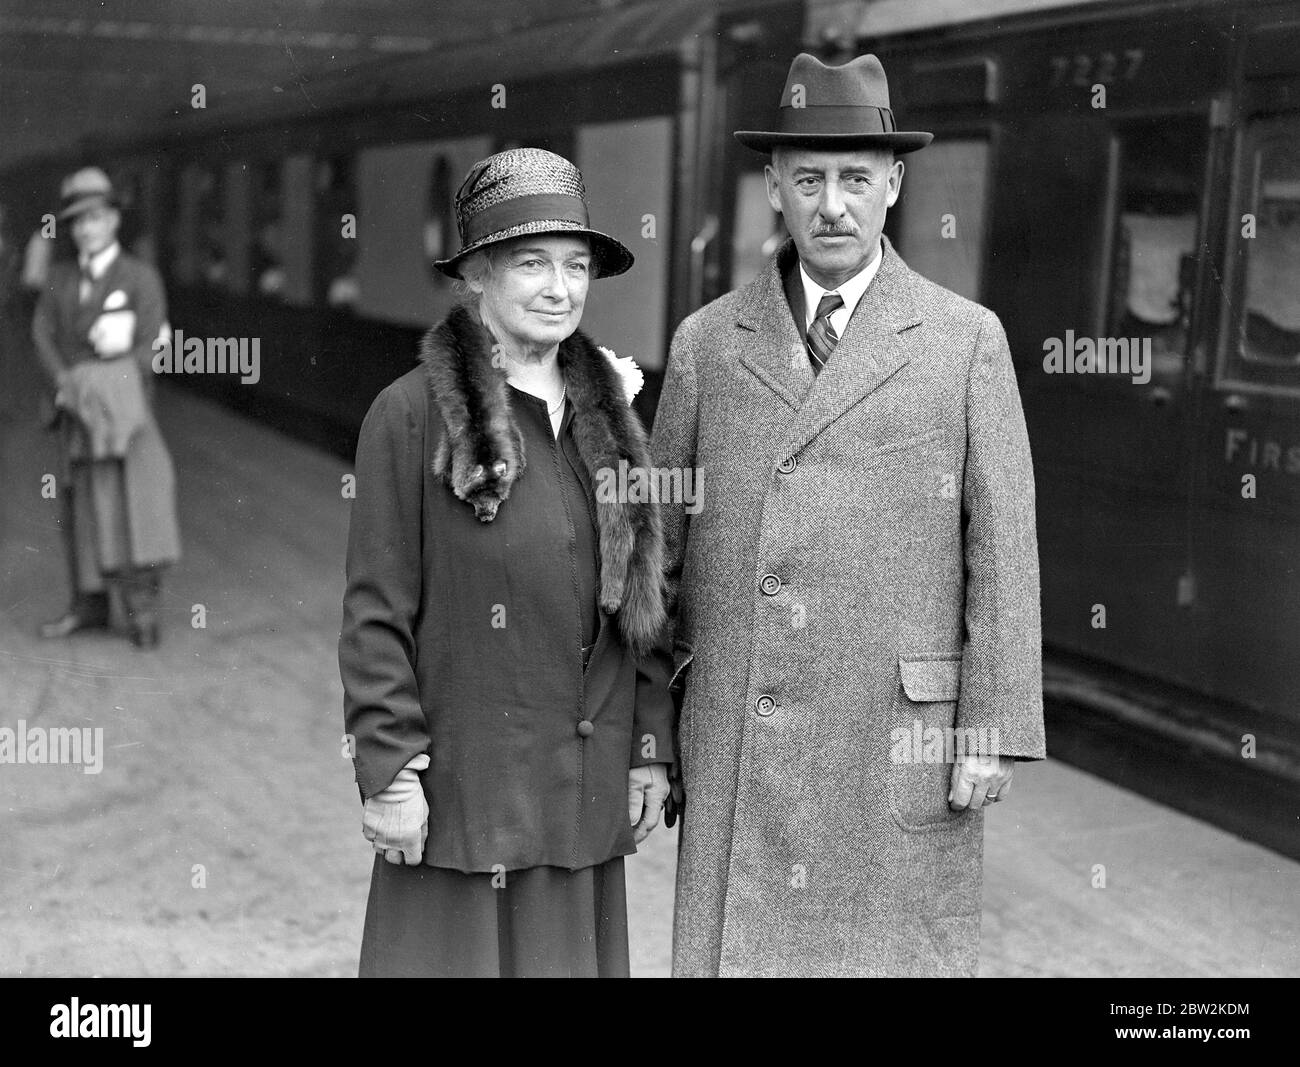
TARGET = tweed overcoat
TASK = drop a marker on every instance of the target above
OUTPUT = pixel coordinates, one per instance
(864, 561)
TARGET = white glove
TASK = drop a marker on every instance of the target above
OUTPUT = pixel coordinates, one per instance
(396, 820)
(647, 789)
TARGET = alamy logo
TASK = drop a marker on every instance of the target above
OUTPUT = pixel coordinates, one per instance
(941, 744)
(209, 355)
(56, 744)
(650, 485)
(102, 1020)
(1101, 355)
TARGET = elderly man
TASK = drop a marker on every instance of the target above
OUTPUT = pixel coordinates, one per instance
(856, 604)
(95, 328)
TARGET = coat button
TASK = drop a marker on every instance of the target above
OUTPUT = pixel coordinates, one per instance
(771, 584)
(765, 705)
(586, 728)
(787, 465)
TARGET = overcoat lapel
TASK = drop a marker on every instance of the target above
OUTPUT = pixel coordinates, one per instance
(776, 356)
(874, 346)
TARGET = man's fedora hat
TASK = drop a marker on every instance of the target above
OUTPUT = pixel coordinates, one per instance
(523, 191)
(833, 108)
(86, 189)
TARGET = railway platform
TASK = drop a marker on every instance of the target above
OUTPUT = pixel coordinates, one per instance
(221, 835)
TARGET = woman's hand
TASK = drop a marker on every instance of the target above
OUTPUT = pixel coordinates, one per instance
(647, 789)
(396, 820)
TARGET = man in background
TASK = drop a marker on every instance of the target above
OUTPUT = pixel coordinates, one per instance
(95, 328)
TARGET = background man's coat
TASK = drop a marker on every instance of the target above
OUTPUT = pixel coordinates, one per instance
(122, 513)
(865, 559)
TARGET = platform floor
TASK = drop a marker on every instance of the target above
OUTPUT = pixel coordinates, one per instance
(223, 760)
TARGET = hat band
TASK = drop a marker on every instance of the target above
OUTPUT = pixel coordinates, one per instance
(837, 119)
(81, 198)
(521, 209)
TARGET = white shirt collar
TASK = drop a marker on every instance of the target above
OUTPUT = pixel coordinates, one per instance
(100, 261)
(850, 292)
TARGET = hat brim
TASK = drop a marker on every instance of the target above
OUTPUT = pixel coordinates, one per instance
(612, 256)
(761, 141)
(87, 203)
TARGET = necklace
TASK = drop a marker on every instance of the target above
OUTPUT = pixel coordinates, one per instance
(560, 403)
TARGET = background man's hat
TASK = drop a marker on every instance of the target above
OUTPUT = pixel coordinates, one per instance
(87, 188)
(834, 108)
(523, 191)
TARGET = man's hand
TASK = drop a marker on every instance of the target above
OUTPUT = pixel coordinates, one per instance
(647, 789)
(396, 820)
(979, 779)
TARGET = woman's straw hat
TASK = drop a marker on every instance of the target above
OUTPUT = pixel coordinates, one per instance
(523, 191)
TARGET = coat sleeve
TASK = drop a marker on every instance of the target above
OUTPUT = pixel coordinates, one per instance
(652, 723)
(150, 305)
(44, 332)
(1001, 673)
(673, 446)
(381, 700)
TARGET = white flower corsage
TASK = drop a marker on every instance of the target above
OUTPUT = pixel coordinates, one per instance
(627, 370)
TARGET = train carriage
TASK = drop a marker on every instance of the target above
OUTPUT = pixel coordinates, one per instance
(1121, 184)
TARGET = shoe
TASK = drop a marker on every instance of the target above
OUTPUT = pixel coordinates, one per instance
(144, 635)
(71, 623)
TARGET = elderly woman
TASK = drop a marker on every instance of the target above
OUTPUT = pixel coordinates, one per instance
(510, 731)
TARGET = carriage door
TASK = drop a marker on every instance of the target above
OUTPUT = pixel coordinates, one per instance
(1248, 502)
(1095, 244)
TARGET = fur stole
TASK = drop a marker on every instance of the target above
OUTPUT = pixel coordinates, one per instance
(482, 455)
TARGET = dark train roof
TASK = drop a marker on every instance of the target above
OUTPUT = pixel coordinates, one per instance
(74, 75)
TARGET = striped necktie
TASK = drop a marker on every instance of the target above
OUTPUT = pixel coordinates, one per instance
(822, 337)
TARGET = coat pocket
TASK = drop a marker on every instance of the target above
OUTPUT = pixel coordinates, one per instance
(880, 452)
(921, 742)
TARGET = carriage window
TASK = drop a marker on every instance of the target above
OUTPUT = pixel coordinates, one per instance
(1154, 242)
(440, 219)
(757, 230)
(558, 140)
(942, 213)
(268, 251)
(1267, 348)
(199, 253)
(133, 201)
(336, 222)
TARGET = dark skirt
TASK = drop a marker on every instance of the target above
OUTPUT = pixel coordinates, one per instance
(545, 922)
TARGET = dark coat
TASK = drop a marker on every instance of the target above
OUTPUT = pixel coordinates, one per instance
(465, 610)
(865, 560)
(60, 329)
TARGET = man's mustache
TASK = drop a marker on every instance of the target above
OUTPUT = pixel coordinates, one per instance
(834, 231)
